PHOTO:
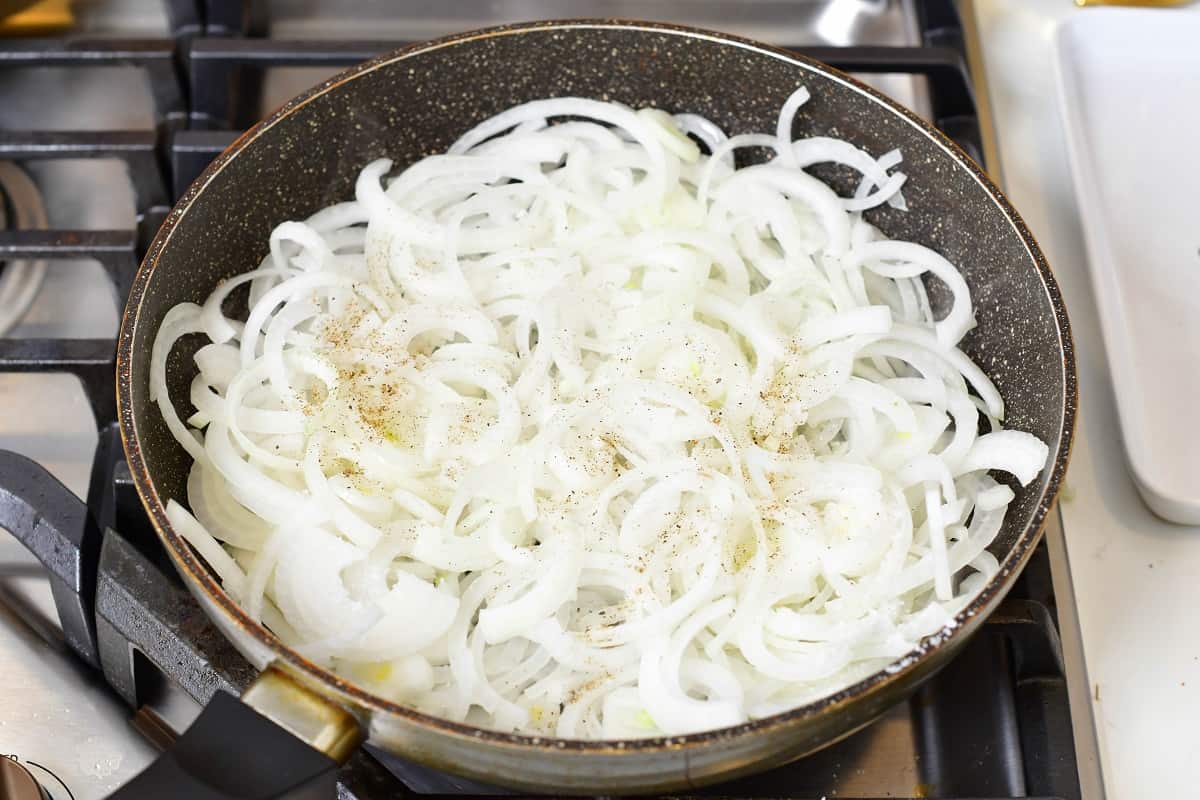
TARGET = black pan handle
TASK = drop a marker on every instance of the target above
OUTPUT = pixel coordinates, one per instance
(280, 741)
(55, 526)
(232, 752)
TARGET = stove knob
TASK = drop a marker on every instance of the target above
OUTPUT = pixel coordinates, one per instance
(17, 784)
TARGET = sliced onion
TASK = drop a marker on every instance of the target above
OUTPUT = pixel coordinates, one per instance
(577, 430)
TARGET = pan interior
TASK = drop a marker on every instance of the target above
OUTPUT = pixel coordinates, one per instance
(416, 105)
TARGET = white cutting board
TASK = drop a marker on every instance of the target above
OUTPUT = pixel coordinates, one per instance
(1129, 84)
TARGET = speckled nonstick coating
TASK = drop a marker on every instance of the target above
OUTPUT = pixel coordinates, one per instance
(417, 101)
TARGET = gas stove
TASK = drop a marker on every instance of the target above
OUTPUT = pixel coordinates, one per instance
(102, 125)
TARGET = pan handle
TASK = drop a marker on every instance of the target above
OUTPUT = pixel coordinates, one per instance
(55, 526)
(280, 740)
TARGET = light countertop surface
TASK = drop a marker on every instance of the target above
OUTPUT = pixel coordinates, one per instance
(1136, 577)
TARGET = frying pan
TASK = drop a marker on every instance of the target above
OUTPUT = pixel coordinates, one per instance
(415, 102)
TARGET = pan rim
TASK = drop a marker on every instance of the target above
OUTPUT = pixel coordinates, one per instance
(956, 632)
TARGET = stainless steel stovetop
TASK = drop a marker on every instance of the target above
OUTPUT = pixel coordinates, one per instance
(109, 120)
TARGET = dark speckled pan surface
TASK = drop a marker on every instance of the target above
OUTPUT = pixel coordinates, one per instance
(414, 103)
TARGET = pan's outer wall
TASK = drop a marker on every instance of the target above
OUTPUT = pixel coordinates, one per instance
(416, 105)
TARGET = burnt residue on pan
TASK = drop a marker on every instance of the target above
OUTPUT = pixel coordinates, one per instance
(416, 102)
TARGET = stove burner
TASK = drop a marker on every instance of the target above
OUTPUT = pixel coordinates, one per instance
(20, 209)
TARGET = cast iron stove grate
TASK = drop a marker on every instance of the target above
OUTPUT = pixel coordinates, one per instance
(994, 724)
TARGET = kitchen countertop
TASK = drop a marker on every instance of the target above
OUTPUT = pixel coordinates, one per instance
(1134, 574)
